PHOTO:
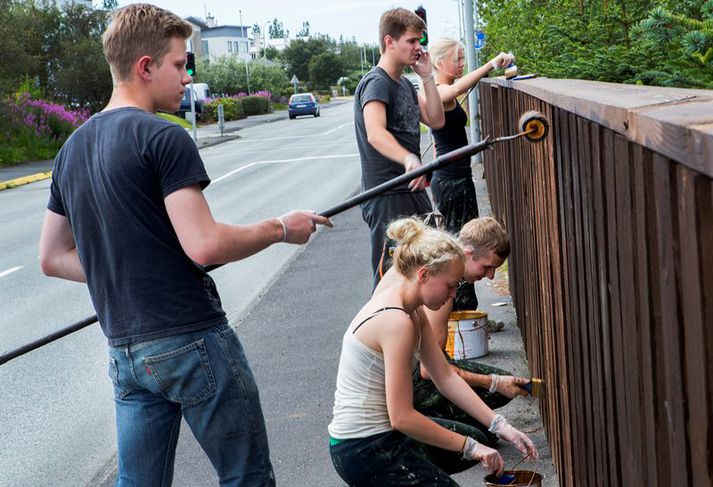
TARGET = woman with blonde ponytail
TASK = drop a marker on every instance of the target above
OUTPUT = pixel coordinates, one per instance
(452, 187)
(376, 435)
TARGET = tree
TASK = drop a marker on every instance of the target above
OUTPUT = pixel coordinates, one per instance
(276, 30)
(299, 53)
(660, 42)
(304, 32)
(324, 70)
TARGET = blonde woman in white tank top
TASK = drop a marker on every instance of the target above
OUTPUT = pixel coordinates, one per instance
(376, 435)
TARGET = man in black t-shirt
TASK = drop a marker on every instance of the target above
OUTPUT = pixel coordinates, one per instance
(387, 112)
(127, 216)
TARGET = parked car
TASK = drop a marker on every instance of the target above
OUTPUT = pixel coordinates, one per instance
(185, 106)
(302, 104)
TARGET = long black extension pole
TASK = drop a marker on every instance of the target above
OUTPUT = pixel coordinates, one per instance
(438, 163)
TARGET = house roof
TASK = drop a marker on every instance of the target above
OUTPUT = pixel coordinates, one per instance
(196, 21)
(226, 31)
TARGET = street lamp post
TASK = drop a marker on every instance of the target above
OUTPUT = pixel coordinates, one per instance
(242, 31)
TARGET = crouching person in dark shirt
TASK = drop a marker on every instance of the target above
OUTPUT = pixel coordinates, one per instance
(127, 215)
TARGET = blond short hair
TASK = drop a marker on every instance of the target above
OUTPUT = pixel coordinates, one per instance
(441, 49)
(395, 22)
(485, 234)
(420, 245)
(140, 29)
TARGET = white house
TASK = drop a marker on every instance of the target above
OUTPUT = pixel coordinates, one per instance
(213, 41)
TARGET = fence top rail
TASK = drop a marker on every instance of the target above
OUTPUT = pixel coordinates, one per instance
(675, 122)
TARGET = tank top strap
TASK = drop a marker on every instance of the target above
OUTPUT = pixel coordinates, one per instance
(385, 308)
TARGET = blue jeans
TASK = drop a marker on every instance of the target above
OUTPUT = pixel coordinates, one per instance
(204, 377)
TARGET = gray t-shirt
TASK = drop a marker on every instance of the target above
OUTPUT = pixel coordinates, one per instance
(110, 179)
(402, 121)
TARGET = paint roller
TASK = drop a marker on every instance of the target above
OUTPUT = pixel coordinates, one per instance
(533, 126)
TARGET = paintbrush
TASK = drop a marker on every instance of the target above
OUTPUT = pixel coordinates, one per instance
(536, 387)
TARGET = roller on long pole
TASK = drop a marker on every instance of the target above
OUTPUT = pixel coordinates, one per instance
(532, 125)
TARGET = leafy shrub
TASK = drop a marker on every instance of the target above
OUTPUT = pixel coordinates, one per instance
(255, 105)
(232, 109)
(35, 129)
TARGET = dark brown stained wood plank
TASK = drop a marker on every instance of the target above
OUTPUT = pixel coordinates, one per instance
(550, 369)
(554, 369)
(630, 449)
(642, 181)
(705, 196)
(588, 328)
(612, 341)
(598, 276)
(565, 454)
(569, 296)
(673, 406)
(578, 303)
(696, 361)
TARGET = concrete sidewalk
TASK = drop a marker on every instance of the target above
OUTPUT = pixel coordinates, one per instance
(28, 172)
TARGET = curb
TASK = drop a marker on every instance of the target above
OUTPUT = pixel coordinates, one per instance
(12, 183)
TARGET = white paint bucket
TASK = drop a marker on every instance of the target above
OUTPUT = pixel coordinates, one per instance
(467, 336)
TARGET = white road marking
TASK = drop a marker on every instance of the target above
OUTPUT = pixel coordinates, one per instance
(10, 271)
(337, 128)
(282, 161)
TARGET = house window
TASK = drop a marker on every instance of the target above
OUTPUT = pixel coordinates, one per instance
(236, 46)
(205, 49)
(243, 47)
(230, 46)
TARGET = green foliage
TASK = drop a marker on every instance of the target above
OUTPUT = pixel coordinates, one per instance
(276, 30)
(228, 75)
(255, 105)
(60, 51)
(659, 42)
(324, 70)
(299, 53)
(232, 109)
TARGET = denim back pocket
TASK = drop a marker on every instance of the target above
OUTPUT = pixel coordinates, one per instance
(184, 375)
(119, 391)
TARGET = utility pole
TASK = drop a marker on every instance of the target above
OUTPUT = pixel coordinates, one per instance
(242, 32)
(469, 20)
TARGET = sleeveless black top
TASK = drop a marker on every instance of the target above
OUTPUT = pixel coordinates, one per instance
(452, 136)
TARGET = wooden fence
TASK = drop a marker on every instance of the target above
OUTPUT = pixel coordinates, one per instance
(611, 224)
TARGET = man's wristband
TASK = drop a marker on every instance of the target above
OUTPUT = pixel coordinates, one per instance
(284, 228)
(427, 78)
(494, 379)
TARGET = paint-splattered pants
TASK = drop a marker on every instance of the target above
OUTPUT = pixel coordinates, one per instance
(395, 459)
(429, 401)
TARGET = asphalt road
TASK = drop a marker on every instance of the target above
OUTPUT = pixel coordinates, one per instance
(56, 419)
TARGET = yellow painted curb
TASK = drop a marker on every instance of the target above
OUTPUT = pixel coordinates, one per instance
(25, 180)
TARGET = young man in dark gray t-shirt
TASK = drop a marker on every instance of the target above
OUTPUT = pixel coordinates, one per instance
(127, 216)
(387, 112)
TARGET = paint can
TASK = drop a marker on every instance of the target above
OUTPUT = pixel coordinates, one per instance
(514, 478)
(467, 335)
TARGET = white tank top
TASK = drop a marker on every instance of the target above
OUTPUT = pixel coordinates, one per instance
(360, 399)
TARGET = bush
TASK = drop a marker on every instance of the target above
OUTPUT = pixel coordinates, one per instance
(255, 105)
(34, 129)
(325, 99)
(232, 109)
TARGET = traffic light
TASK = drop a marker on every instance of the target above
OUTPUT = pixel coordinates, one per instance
(421, 12)
(191, 64)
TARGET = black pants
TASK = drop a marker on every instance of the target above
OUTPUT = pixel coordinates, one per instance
(394, 459)
(456, 201)
(430, 402)
(379, 212)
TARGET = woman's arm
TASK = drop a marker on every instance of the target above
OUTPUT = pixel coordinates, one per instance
(396, 338)
(461, 85)
(448, 382)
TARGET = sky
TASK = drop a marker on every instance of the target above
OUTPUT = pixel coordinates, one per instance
(351, 18)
